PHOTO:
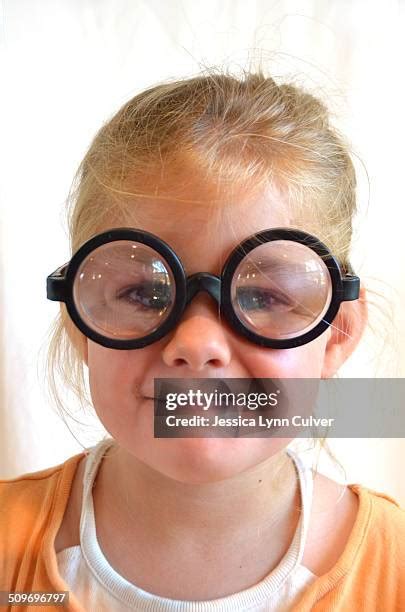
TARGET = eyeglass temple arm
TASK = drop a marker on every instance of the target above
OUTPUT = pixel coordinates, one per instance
(56, 285)
(351, 285)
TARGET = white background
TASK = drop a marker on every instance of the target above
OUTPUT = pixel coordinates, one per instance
(68, 65)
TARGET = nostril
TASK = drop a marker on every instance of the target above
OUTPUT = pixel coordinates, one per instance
(179, 362)
(217, 363)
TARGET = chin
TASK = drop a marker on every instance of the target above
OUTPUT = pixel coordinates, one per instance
(205, 460)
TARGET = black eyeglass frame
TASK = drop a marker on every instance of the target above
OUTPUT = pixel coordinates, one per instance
(345, 285)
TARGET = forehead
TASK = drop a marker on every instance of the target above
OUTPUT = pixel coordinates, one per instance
(203, 225)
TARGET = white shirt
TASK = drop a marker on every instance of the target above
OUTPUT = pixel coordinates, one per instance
(100, 588)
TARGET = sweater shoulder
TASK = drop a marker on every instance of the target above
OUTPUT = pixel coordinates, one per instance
(369, 574)
(384, 535)
(385, 506)
(31, 506)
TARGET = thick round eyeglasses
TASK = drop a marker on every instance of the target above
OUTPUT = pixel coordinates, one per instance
(126, 288)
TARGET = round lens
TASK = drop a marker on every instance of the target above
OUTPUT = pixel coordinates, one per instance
(281, 289)
(124, 290)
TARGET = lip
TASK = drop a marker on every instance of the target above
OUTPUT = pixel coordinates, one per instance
(174, 386)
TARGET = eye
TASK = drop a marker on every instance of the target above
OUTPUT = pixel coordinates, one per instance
(257, 298)
(148, 295)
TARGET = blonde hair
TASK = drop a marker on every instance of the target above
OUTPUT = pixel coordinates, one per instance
(232, 130)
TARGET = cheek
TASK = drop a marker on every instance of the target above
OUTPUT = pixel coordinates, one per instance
(115, 378)
(301, 362)
(112, 381)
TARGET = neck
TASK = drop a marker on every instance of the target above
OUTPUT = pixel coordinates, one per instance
(262, 502)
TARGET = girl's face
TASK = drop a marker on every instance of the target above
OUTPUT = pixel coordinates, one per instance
(201, 346)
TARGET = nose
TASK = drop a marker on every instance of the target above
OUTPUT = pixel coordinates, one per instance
(199, 342)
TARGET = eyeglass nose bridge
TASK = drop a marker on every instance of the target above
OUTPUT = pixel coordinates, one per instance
(203, 281)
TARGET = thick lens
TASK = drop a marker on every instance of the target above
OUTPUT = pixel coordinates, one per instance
(124, 290)
(281, 289)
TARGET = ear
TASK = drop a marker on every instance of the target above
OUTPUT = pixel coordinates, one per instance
(345, 333)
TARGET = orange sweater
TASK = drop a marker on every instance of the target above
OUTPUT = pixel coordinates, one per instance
(369, 575)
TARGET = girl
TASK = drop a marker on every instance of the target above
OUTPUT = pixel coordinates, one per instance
(193, 189)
